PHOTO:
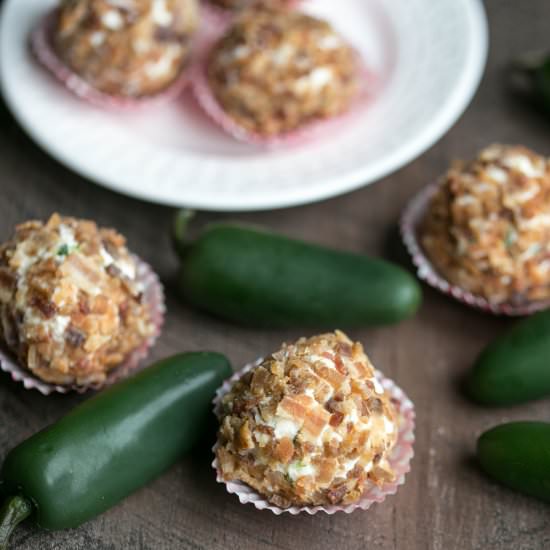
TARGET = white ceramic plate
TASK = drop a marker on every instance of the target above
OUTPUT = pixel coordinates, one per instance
(430, 53)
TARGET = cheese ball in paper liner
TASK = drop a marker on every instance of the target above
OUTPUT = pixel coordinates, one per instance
(279, 76)
(77, 310)
(119, 53)
(311, 428)
(483, 233)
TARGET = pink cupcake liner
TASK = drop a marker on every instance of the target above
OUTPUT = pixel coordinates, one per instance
(216, 15)
(369, 85)
(153, 297)
(410, 224)
(44, 52)
(400, 458)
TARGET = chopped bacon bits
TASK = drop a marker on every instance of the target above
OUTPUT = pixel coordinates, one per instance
(357, 471)
(64, 307)
(336, 419)
(487, 228)
(344, 349)
(260, 70)
(336, 494)
(46, 308)
(292, 408)
(284, 450)
(332, 376)
(375, 406)
(131, 54)
(259, 379)
(245, 437)
(74, 337)
(315, 430)
(316, 421)
(360, 369)
(340, 367)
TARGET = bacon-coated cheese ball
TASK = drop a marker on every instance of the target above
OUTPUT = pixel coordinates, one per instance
(127, 48)
(71, 306)
(275, 71)
(487, 228)
(311, 425)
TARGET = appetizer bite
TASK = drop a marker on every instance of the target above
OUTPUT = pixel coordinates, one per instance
(311, 425)
(275, 71)
(126, 48)
(74, 303)
(487, 228)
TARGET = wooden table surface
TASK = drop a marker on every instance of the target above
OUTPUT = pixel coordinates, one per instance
(445, 503)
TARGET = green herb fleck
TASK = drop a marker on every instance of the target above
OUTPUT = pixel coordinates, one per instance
(65, 249)
(299, 464)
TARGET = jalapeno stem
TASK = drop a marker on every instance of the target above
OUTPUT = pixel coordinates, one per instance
(181, 223)
(15, 510)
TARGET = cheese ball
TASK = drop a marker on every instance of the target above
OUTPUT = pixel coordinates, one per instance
(487, 228)
(236, 5)
(70, 300)
(276, 70)
(127, 48)
(311, 425)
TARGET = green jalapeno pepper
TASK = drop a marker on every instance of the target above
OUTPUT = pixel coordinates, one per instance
(517, 455)
(259, 278)
(514, 367)
(110, 445)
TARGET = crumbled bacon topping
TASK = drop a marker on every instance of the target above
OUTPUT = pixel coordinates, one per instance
(315, 432)
(128, 47)
(65, 315)
(276, 70)
(487, 228)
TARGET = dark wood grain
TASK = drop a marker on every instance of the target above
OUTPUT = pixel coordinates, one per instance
(445, 504)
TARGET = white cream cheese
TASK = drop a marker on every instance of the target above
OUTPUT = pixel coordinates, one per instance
(388, 425)
(113, 20)
(284, 427)
(297, 469)
(283, 54)
(377, 386)
(314, 81)
(126, 268)
(497, 174)
(541, 220)
(163, 65)
(97, 39)
(330, 42)
(161, 14)
(523, 164)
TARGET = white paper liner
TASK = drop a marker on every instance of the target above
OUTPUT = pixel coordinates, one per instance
(153, 296)
(410, 224)
(400, 459)
(41, 46)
